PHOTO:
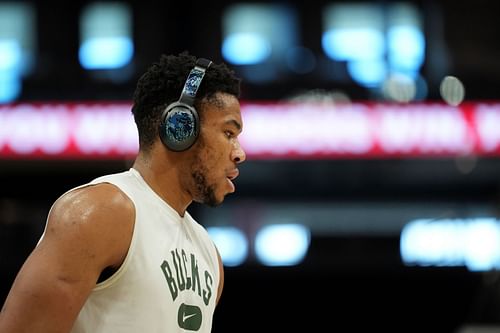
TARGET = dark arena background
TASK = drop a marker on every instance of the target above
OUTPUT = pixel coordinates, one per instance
(370, 197)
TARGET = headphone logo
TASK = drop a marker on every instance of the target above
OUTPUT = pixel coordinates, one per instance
(180, 124)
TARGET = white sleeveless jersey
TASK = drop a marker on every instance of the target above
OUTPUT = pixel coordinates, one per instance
(169, 279)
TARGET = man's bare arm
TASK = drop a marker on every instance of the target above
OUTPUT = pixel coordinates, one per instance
(88, 230)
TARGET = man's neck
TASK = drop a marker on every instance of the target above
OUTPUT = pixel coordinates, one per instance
(164, 179)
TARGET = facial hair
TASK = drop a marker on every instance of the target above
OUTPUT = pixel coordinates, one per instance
(205, 191)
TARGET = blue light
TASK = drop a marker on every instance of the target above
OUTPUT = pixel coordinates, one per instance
(474, 243)
(353, 44)
(106, 52)
(246, 48)
(368, 73)
(10, 70)
(406, 48)
(10, 55)
(231, 243)
(10, 86)
(282, 244)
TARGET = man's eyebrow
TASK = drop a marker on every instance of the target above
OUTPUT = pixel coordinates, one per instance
(235, 123)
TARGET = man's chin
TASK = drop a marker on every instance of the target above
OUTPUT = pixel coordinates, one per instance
(211, 202)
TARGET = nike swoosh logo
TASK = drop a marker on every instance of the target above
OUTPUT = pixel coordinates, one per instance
(185, 317)
(189, 317)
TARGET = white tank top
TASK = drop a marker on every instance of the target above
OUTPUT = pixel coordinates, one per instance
(169, 279)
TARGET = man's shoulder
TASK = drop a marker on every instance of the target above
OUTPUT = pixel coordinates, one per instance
(94, 222)
(92, 203)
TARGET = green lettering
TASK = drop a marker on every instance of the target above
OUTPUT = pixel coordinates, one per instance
(178, 269)
(195, 275)
(184, 262)
(207, 293)
(170, 280)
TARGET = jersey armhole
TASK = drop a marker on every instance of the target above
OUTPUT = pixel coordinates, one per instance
(109, 281)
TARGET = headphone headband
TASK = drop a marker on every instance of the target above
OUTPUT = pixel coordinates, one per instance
(193, 81)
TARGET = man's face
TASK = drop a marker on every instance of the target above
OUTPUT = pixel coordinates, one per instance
(217, 151)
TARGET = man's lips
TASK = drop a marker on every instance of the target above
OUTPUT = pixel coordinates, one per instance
(233, 174)
(230, 177)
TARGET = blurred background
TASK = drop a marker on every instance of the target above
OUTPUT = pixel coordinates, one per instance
(370, 196)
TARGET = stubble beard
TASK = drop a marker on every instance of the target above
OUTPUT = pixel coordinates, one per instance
(205, 192)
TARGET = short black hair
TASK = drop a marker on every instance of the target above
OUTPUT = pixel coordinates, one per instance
(162, 84)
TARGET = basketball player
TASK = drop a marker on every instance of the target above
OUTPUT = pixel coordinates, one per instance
(122, 254)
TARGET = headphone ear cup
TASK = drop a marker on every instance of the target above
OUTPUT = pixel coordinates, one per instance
(180, 126)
